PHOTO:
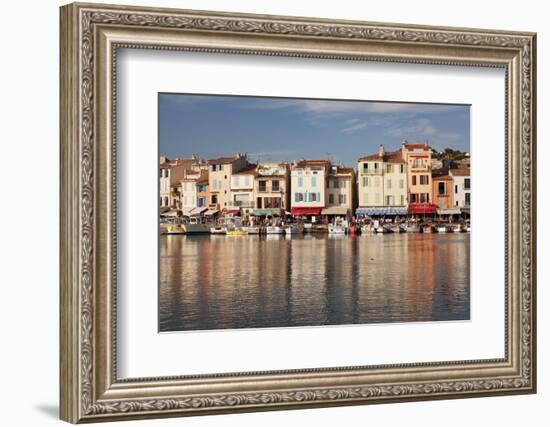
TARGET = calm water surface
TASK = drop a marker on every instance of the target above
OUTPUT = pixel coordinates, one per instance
(219, 282)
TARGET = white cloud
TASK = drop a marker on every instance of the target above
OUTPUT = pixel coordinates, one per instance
(356, 127)
(339, 106)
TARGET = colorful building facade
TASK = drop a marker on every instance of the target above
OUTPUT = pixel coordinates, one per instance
(419, 177)
(171, 174)
(219, 179)
(242, 191)
(308, 182)
(271, 188)
(442, 191)
(340, 192)
(382, 183)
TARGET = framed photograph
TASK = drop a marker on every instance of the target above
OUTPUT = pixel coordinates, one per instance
(266, 212)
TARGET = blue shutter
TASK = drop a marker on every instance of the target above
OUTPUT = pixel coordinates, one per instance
(318, 197)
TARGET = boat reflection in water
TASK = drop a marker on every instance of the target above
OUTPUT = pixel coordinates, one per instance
(254, 281)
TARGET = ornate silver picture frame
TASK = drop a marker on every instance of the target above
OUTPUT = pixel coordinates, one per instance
(91, 34)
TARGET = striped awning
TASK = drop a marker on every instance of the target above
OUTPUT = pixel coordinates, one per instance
(448, 211)
(198, 211)
(381, 211)
(335, 210)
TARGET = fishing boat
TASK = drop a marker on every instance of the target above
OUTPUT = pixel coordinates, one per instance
(440, 228)
(465, 228)
(337, 229)
(426, 228)
(397, 228)
(236, 232)
(275, 229)
(413, 228)
(197, 225)
(456, 228)
(386, 228)
(218, 229)
(368, 228)
(294, 228)
(252, 230)
(175, 229)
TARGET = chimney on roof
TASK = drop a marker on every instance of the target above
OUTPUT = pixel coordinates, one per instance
(381, 150)
(194, 157)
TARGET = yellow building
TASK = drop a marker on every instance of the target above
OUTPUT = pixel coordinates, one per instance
(340, 192)
(219, 179)
(382, 183)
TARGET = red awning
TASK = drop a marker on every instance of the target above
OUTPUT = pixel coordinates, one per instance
(305, 211)
(422, 208)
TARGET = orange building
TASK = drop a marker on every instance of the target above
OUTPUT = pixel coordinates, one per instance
(443, 191)
(419, 170)
(203, 192)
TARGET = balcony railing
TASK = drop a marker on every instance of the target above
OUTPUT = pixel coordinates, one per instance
(270, 190)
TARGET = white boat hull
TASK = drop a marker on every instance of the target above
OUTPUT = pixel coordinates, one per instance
(252, 230)
(275, 230)
(294, 230)
(336, 229)
(218, 230)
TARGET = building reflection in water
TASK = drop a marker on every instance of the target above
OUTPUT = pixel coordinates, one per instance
(221, 282)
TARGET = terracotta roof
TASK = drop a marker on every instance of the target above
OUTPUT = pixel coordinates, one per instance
(389, 157)
(222, 160)
(462, 171)
(249, 170)
(413, 146)
(303, 163)
(203, 177)
(343, 170)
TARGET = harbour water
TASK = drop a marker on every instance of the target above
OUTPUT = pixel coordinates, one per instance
(228, 282)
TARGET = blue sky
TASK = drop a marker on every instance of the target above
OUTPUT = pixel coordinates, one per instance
(285, 129)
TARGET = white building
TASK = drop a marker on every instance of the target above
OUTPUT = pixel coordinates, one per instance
(170, 176)
(461, 187)
(188, 190)
(242, 190)
(308, 183)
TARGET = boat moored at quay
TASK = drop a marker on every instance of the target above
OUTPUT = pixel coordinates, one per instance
(202, 225)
